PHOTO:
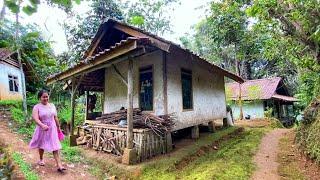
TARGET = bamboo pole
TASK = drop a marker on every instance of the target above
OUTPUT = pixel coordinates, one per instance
(130, 106)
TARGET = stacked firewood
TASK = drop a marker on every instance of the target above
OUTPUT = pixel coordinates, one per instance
(158, 124)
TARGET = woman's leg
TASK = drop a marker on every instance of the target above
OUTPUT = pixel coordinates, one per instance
(41, 151)
(56, 156)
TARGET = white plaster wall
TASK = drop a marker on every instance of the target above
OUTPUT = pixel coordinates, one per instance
(254, 109)
(208, 92)
(5, 94)
(116, 90)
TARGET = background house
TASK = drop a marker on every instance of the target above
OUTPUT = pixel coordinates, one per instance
(259, 95)
(11, 77)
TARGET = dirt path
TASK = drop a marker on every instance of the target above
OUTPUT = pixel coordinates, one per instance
(49, 171)
(266, 157)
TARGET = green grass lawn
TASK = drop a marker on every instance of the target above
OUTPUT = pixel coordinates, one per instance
(232, 160)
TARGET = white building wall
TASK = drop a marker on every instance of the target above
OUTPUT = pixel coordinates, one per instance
(254, 108)
(5, 93)
(208, 92)
(116, 90)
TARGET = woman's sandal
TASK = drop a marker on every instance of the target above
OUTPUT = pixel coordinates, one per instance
(61, 170)
(41, 163)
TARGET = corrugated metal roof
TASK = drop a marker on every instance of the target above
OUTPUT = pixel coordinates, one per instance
(111, 21)
(253, 89)
(90, 59)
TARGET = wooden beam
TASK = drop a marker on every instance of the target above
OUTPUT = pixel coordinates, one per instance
(130, 106)
(74, 88)
(158, 43)
(120, 75)
(96, 44)
(165, 85)
(87, 100)
(112, 55)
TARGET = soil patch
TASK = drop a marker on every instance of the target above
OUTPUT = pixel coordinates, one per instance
(49, 171)
(293, 164)
(266, 157)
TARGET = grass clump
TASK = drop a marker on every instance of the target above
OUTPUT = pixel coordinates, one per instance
(71, 154)
(233, 159)
(275, 123)
(24, 167)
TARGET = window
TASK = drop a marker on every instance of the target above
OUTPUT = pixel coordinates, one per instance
(186, 80)
(146, 89)
(13, 83)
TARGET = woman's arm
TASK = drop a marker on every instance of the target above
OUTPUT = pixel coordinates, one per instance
(57, 121)
(35, 116)
(56, 117)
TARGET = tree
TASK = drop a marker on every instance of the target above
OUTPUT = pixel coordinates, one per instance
(32, 5)
(79, 36)
(34, 49)
(294, 30)
(146, 14)
(151, 15)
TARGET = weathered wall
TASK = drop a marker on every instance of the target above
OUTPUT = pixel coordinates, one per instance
(208, 92)
(5, 94)
(116, 90)
(254, 108)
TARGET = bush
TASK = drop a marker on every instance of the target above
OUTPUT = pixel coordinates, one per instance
(275, 123)
(17, 115)
(268, 113)
(308, 133)
(11, 103)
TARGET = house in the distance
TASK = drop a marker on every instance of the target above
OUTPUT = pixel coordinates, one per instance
(11, 76)
(258, 96)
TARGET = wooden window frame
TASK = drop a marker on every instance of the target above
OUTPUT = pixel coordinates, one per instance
(192, 102)
(139, 88)
(14, 79)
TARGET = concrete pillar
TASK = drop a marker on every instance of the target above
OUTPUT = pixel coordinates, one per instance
(129, 156)
(195, 132)
(212, 126)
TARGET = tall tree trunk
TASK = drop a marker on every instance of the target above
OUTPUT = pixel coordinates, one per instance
(3, 11)
(237, 64)
(23, 84)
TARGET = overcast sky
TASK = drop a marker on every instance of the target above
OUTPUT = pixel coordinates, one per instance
(48, 19)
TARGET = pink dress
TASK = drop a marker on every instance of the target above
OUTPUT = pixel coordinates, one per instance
(47, 140)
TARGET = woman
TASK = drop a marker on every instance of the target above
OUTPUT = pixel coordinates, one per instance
(45, 137)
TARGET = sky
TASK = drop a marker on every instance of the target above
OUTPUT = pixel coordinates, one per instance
(49, 20)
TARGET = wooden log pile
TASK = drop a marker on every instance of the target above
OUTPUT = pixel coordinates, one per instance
(160, 125)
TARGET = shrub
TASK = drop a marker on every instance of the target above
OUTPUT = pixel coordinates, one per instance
(268, 113)
(308, 132)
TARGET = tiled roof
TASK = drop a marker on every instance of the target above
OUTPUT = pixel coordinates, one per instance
(253, 89)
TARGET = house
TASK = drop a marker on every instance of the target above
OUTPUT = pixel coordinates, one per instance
(136, 69)
(10, 76)
(258, 96)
